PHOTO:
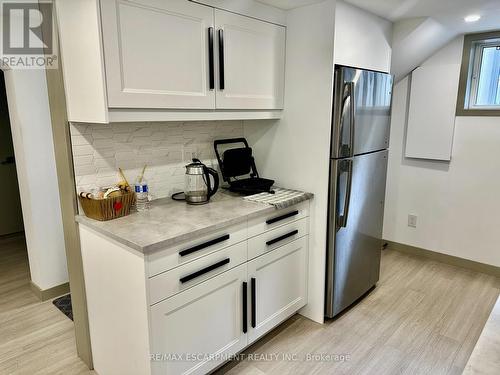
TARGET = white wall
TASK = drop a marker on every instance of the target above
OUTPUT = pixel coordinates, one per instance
(34, 151)
(457, 203)
(295, 150)
(362, 39)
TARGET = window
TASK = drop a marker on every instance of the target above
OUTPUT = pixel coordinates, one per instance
(479, 92)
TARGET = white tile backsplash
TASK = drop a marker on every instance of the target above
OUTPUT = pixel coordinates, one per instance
(99, 150)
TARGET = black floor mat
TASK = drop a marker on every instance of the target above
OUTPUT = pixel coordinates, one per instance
(64, 304)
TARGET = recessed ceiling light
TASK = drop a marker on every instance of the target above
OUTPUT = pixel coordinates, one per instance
(472, 18)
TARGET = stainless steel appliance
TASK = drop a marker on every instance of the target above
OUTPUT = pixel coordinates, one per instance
(358, 168)
(198, 187)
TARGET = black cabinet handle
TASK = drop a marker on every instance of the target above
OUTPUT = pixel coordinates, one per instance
(281, 238)
(254, 302)
(203, 271)
(221, 60)
(199, 247)
(245, 308)
(282, 217)
(211, 80)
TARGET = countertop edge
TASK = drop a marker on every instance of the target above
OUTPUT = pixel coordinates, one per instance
(82, 220)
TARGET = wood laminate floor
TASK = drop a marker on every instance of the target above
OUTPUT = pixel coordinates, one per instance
(35, 337)
(423, 318)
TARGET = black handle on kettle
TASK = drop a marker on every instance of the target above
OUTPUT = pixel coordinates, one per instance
(209, 172)
(212, 190)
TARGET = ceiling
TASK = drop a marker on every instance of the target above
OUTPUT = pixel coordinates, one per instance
(449, 13)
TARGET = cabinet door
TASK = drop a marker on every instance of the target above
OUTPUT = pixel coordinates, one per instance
(277, 286)
(251, 62)
(204, 321)
(157, 53)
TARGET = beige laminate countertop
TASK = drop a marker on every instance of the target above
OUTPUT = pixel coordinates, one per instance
(168, 222)
(485, 359)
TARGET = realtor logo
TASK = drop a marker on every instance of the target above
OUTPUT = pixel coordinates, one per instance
(28, 35)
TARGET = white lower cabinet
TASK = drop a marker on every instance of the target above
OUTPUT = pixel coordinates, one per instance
(190, 316)
(197, 330)
(204, 321)
(278, 286)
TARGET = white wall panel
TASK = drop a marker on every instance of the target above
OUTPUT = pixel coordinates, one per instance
(431, 115)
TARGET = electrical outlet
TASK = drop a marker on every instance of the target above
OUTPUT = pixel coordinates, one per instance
(412, 221)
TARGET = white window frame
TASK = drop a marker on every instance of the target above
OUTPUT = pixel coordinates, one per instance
(474, 45)
(475, 72)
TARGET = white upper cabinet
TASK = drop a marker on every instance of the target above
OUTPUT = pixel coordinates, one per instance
(157, 54)
(157, 60)
(251, 61)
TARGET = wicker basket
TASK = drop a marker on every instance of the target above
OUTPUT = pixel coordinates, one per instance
(109, 208)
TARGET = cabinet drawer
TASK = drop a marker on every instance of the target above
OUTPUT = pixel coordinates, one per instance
(277, 237)
(188, 251)
(184, 277)
(276, 219)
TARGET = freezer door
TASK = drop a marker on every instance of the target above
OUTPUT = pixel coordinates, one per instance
(356, 211)
(361, 112)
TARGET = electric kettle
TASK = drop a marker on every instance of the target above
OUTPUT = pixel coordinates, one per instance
(198, 186)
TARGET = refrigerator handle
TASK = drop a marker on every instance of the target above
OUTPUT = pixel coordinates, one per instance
(346, 150)
(340, 104)
(345, 212)
(352, 112)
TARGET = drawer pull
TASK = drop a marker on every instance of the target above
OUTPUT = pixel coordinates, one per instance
(245, 307)
(203, 245)
(203, 271)
(281, 238)
(254, 302)
(282, 217)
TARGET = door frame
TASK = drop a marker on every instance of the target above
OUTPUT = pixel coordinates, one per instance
(69, 206)
(67, 194)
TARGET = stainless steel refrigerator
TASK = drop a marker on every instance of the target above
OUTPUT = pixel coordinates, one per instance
(358, 169)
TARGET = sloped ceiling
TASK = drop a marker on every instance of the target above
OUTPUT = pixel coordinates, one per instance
(421, 27)
(414, 41)
(450, 13)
